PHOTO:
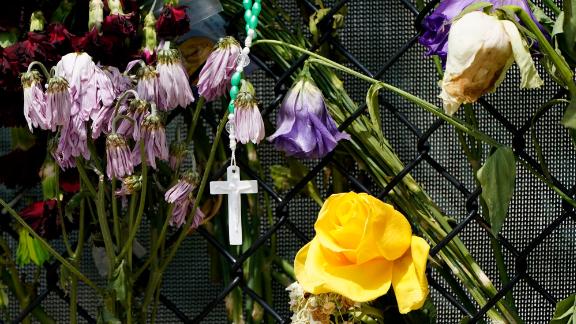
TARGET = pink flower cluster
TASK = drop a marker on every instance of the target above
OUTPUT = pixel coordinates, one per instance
(84, 101)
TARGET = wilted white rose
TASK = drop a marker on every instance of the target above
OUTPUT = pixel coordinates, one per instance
(481, 48)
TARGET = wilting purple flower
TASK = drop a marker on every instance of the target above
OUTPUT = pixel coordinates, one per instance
(214, 79)
(154, 137)
(182, 188)
(58, 103)
(90, 87)
(182, 209)
(72, 143)
(34, 100)
(248, 123)
(102, 121)
(437, 25)
(120, 82)
(173, 86)
(181, 196)
(118, 158)
(147, 86)
(130, 185)
(137, 110)
(305, 128)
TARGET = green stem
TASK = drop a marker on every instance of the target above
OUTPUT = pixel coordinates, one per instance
(203, 183)
(61, 214)
(563, 68)
(48, 247)
(132, 234)
(195, 119)
(104, 228)
(115, 218)
(422, 103)
(552, 6)
(84, 177)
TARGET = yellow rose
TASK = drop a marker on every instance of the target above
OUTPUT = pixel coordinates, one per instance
(361, 247)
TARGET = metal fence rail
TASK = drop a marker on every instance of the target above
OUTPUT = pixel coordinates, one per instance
(283, 220)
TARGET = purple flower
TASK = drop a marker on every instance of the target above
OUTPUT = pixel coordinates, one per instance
(72, 143)
(154, 137)
(437, 25)
(90, 87)
(181, 196)
(120, 82)
(58, 103)
(173, 87)
(248, 123)
(102, 121)
(118, 158)
(305, 128)
(182, 188)
(147, 86)
(137, 111)
(214, 79)
(182, 209)
(34, 100)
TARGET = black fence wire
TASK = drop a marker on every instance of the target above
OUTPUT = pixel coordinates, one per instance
(283, 220)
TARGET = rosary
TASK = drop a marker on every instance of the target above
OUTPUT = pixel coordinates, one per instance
(233, 186)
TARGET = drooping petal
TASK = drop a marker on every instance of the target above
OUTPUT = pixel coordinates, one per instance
(409, 276)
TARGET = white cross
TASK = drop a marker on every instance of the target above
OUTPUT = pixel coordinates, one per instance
(233, 187)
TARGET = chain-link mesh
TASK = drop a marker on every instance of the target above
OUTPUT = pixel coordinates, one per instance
(380, 39)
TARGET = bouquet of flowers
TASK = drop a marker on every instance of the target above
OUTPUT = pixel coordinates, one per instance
(98, 95)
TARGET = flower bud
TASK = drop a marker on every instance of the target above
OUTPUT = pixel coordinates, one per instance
(95, 14)
(37, 21)
(481, 49)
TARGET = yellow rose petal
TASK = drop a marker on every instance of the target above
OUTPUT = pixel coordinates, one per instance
(409, 276)
(320, 270)
(388, 233)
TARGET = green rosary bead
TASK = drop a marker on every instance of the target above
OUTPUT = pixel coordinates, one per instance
(248, 28)
(247, 4)
(231, 107)
(236, 78)
(234, 92)
(253, 23)
(247, 15)
(256, 9)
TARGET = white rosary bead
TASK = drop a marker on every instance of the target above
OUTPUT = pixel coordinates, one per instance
(231, 117)
(251, 33)
(248, 42)
(246, 50)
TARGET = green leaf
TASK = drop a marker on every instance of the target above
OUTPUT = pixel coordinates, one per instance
(74, 203)
(374, 110)
(22, 252)
(569, 119)
(425, 315)
(119, 283)
(565, 311)
(497, 178)
(570, 26)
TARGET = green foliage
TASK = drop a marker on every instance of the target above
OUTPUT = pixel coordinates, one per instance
(565, 312)
(497, 177)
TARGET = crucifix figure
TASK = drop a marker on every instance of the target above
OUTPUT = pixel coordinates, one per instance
(233, 187)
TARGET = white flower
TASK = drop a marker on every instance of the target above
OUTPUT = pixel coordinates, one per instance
(481, 48)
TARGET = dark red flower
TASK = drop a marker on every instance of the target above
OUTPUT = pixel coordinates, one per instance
(69, 181)
(104, 48)
(42, 216)
(60, 37)
(120, 24)
(9, 68)
(36, 47)
(173, 22)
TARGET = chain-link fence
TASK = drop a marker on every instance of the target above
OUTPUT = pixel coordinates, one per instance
(381, 41)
